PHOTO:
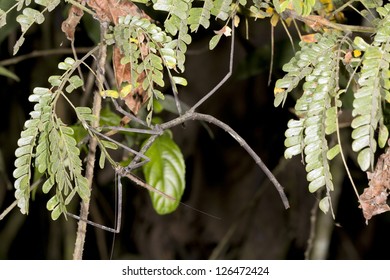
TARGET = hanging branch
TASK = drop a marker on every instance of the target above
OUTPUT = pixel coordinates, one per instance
(89, 174)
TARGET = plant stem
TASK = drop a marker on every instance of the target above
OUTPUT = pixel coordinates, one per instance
(89, 173)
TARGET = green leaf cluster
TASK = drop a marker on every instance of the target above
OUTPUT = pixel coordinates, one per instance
(303, 8)
(161, 51)
(28, 16)
(47, 144)
(316, 108)
(374, 86)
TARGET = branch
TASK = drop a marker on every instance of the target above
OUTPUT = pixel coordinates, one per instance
(89, 173)
(33, 54)
(13, 204)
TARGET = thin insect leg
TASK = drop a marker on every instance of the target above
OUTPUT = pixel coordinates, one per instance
(92, 223)
(135, 162)
(118, 208)
(223, 81)
(127, 114)
(175, 93)
(119, 144)
(135, 130)
(143, 184)
(118, 211)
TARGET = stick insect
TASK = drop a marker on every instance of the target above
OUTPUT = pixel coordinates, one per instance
(156, 130)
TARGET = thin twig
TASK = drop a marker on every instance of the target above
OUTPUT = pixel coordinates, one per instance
(13, 204)
(89, 174)
(271, 64)
(33, 54)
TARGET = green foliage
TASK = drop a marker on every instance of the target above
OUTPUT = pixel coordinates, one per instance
(30, 16)
(318, 65)
(200, 16)
(303, 8)
(374, 85)
(48, 144)
(318, 106)
(222, 9)
(148, 59)
(166, 172)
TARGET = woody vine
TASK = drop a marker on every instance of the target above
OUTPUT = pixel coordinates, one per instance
(148, 55)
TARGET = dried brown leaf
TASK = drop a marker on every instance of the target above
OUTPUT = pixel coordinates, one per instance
(69, 25)
(373, 201)
(122, 71)
(111, 10)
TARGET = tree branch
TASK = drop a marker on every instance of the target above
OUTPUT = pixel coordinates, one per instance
(33, 54)
(89, 173)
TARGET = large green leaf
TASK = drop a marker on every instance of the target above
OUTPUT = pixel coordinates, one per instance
(165, 172)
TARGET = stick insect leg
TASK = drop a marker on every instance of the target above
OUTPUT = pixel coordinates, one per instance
(224, 79)
(118, 212)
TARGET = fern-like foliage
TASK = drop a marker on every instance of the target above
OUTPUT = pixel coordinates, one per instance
(222, 9)
(177, 24)
(316, 109)
(30, 16)
(374, 88)
(48, 144)
(27, 142)
(145, 60)
(200, 16)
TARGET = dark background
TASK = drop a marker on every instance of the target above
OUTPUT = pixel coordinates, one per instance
(222, 180)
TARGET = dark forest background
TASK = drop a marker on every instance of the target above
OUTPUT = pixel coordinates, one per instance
(222, 180)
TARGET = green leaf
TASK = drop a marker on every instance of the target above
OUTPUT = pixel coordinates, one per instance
(74, 83)
(317, 184)
(180, 81)
(50, 4)
(333, 152)
(221, 9)
(55, 80)
(383, 136)
(6, 73)
(3, 18)
(49, 183)
(365, 159)
(166, 172)
(293, 151)
(360, 43)
(102, 160)
(56, 213)
(53, 202)
(18, 44)
(214, 41)
(324, 204)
